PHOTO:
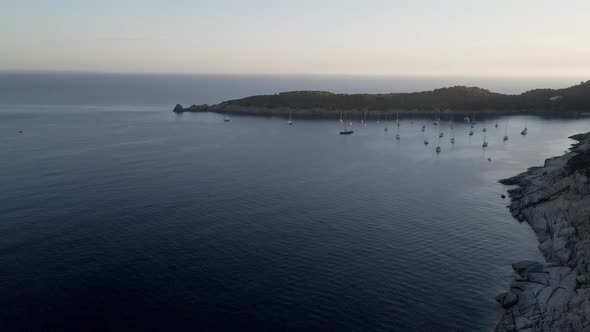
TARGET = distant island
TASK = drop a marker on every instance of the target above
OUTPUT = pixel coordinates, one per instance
(457, 99)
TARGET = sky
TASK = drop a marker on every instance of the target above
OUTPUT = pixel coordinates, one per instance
(516, 38)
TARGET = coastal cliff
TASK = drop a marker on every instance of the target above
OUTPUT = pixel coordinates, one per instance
(555, 201)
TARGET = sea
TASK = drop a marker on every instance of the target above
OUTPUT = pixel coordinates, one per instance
(117, 214)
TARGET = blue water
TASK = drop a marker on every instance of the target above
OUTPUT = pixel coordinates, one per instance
(131, 217)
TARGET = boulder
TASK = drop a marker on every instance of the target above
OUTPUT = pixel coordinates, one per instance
(525, 267)
(507, 299)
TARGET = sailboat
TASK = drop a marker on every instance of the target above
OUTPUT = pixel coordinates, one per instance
(485, 142)
(426, 141)
(506, 132)
(452, 135)
(471, 133)
(397, 119)
(347, 131)
(423, 128)
(397, 136)
(484, 129)
(340, 117)
(525, 130)
(466, 118)
(496, 123)
(290, 122)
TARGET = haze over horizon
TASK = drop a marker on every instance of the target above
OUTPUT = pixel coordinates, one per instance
(419, 38)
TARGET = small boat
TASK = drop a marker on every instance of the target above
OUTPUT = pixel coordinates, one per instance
(397, 136)
(452, 140)
(485, 144)
(385, 129)
(471, 133)
(484, 129)
(347, 131)
(226, 119)
(506, 132)
(423, 127)
(290, 122)
(340, 117)
(441, 135)
(426, 141)
(438, 149)
(466, 119)
(525, 130)
(496, 124)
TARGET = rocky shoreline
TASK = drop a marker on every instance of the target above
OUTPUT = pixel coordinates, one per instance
(555, 201)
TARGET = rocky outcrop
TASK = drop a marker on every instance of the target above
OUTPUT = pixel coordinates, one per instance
(178, 108)
(555, 201)
(193, 108)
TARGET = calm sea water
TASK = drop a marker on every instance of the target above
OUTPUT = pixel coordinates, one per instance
(132, 217)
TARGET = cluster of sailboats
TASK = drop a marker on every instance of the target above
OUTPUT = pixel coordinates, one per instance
(347, 129)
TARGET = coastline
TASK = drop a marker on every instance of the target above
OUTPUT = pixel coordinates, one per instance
(322, 113)
(554, 200)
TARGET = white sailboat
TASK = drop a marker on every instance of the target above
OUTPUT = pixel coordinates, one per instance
(290, 122)
(506, 132)
(347, 131)
(397, 136)
(525, 130)
(485, 142)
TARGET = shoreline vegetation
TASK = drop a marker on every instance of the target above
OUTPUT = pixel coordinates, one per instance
(555, 201)
(457, 99)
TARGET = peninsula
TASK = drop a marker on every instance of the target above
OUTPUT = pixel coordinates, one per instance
(555, 201)
(459, 99)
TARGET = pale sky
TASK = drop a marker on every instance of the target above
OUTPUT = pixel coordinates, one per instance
(521, 38)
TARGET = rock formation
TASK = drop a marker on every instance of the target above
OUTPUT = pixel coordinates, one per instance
(194, 108)
(555, 201)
